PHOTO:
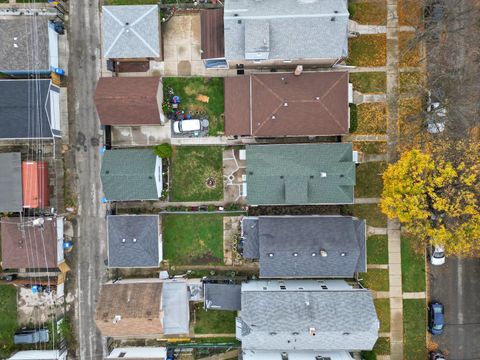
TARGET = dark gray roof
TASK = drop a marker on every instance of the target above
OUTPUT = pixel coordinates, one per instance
(285, 29)
(25, 109)
(144, 252)
(175, 306)
(306, 319)
(17, 34)
(131, 31)
(10, 182)
(222, 296)
(251, 247)
(286, 245)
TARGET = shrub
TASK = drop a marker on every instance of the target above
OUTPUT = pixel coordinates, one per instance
(353, 118)
(163, 151)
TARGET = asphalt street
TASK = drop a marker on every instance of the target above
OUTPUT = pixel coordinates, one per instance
(83, 72)
(456, 284)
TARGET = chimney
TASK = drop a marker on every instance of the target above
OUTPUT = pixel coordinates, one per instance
(116, 319)
(298, 70)
(284, 356)
(312, 331)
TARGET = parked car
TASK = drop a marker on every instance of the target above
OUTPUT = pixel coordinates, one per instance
(436, 321)
(438, 255)
(436, 355)
(186, 126)
(31, 336)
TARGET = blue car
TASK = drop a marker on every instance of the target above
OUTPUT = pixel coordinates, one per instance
(436, 320)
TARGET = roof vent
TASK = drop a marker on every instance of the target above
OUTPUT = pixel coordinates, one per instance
(134, 240)
(312, 331)
(295, 254)
(124, 240)
(126, 24)
(273, 117)
(323, 253)
(317, 97)
(235, 15)
(284, 356)
(343, 254)
(323, 174)
(270, 254)
(285, 104)
(332, 19)
(239, 21)
(116, 319)
(314, 254)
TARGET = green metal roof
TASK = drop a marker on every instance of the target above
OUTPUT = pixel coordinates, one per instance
(129, 174)
(298, 174)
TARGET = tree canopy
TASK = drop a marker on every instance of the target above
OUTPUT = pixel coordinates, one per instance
(435, 195)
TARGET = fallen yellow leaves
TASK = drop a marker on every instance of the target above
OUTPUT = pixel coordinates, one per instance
(368, 50)
(372, 118)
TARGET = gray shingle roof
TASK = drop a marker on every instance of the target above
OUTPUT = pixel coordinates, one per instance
(251, 247)
(25, 109)
(144, 252)
(297, 174)
(17, 34)
(10, 182)
(295, 319)
(175, 307)
(285, 29)
(286, 245)
(222, 296)
(131, 31)
(129, 174)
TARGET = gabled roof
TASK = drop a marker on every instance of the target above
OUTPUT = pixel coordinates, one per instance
(129, 309)
(212, 39)
(220, 296)
(276, 105)
(17, 35)
(133, 241)
(290, 246)
(297, 174)
(25, 109)
(131, 31)
(129, 174)
(296, 355)
(25, 246)
(10, 182)
(285, 29)
(128, 100)
(306, 315)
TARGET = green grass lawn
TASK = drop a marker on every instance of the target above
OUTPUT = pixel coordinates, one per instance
(369, 82)
(413, 267)
(8, 319)
(382, 347)
(367, 50)
(369, 212)
(214, 321)
(414, 329)
(377, 249)
(188, 88)
(369, 13)
(192, 167)
(383, 312)
(376, 279)
(193, 239)
(369, 179)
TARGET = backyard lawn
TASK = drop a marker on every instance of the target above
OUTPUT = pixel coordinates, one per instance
(190, 239)
(191, 89)
(369, 179)
(375, 279)
(383, 312)
(197, 173)
(369, 212)
(414, 329)
(214, 321)
(371, 118)
(370, 147)
(382, 347)
(367, 50)
(8, 319)
(413, 267)
(369, 82)
(369, 13)
(377, 249)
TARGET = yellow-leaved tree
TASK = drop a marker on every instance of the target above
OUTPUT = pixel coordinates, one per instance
(435, 194)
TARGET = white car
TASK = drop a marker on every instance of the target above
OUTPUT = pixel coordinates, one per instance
(186, 126)
(438, 255)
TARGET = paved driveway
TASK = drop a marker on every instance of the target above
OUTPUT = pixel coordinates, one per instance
(456, 284)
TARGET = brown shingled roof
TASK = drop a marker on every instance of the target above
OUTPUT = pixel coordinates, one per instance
(25, 246)
(212, 38)
(282, 104)
(137, 304)
(128, 101)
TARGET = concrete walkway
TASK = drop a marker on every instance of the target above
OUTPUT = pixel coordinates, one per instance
(368, 69)
(374, 157)
(414, 295)
(367, 200)
(353, 26)
(359, 98)
(376, 230)
(377, 266)
(396, 295)
(353, 137)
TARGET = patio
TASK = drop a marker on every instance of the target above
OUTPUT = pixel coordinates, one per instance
(234, 176)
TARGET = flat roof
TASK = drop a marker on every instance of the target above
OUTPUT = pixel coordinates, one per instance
(10, 182)
(212, 39)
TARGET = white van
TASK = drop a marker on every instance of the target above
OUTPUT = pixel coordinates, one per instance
(186, 126)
